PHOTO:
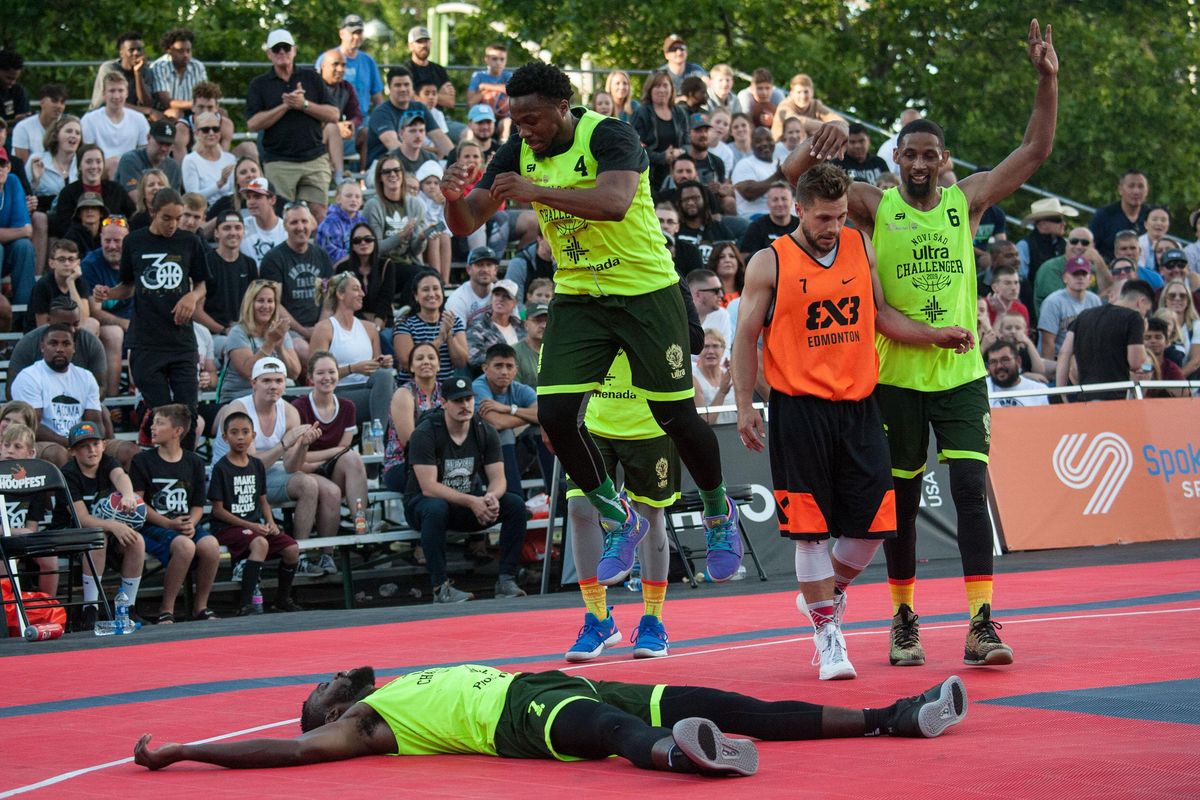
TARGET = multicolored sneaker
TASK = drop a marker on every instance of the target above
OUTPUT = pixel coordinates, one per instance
(724, 544)
(984, 648)
(929, 714)
(650, 638)
(620, 545)
(713, 752)
(594, 636)
(905, 649)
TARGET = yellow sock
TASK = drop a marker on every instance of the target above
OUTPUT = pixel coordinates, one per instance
(902, 593)
(979, 591)
(595, 597)
(653, 594)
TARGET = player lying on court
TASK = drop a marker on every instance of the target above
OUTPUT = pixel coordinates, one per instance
(476, 709)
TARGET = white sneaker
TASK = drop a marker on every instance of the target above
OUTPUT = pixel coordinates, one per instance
(310, 569)
(328, 564)
(831, 654)
(839, 607)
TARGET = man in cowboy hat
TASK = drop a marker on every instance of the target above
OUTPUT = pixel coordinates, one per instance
(1046, 241)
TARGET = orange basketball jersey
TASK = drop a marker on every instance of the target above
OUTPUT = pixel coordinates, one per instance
(820, 340)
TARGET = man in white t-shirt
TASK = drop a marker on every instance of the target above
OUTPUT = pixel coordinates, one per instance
(264, 228)
(114, 127)
(886, 150)
(26, 137)
(61, 393)
(753, 176)
(475, 296)
(1004, 375)
(706, 295)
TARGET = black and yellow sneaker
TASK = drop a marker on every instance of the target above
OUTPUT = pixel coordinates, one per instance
(984, 648)
(929, 714)
(906, 650)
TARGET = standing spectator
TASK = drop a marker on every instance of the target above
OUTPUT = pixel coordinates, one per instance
(171, 478)
(347, 134)
(175, 74)
(1063, 306)
(800, 103)
(677, 66)
(720, 90)
(489, 86)
(778, 221)
(290, 105)
(14, 100)
(475, 296)
(298, 266)
(754, 176)
(116, 128)
(529, 349)
(155, 154)
(262, 331)
(1046, 240)
(499, 324)
(375, 274)
(264, 229)
(164, 269)
(1127, 213)
(131, 64)
(417, 395)
(365, 376)
(624, 105)
(28, 134)
(706, 291)
(433, 324)
(661, 124)
(760, 99)
(361, 70)
(1107, 342)
(1004, 375)
(859, 162)
(333, 234)
(208, 169)
(392, 116)
(1049, 277)
(230, 273)
(456, 481)
(393, 215)
(16, 231)
(422, 69)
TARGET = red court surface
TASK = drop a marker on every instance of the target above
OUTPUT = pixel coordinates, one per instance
(1103, 700)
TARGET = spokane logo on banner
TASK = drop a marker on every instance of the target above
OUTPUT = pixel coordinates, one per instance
(1104, 463)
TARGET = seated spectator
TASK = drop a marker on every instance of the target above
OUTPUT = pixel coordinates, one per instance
(148, 186)
(394, 215)
(618, 87)
(89, 351)
(1107, 342)
(1174, 350)
(244, 520)
(194, 209)
(102, 268)
(343, 135)
(17, 411)
(778, 221)
(726, 262)
(333, 233)
(456, 482)
(693, 94)
(264, 228)
(93, 477)
(16, 231)
(389, 119)
(419, 394)
(685, 254)
(541, 290)
(361, 70)
(661, 125)
(230, 273)
(675, 50)
(481, 130)
(1012, 328)
(1158, 224)
(50, 170)
(29, 134)
(377, 277)
(859, 162)
(156, 155)
(175, 73)
(262, 330)
(113, 127)
(1173, 266)
(432, 323)
(1192, 251)
(333, 413)
(529, 349)
(298, 266)
(793, 135)
(720, 90)
(365, 374)
(1158, 332)
(698, 223)
(1046, 240)
(760, 99)
(1178, 300)
(1049, 277)
(245, 170)
(801, 104)
(706, 293)
(206, 99)
(1004, 375)
(207, 170)
(488, 86)
(753, 176)
(426, 90)
(1062, 307)
(63, 279)
(172, 481)
(718, 144)
(498, 325)
(712, 379)
(740, 131)
(24, 515)
(130, 63)
(61, 393)
(84, 231)
(1006, 285)
(475, 296)
(507, 405)
(281, 442)
(432, 228)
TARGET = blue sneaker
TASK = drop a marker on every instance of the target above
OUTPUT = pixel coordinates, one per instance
(724, 544)
(594, 636)
(650, 638)
(620, 545)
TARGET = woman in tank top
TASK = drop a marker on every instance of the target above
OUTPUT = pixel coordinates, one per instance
(365, 375)
(713, 379)
(409, 402)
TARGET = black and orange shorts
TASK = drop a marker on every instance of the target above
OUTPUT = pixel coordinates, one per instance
(831, 468)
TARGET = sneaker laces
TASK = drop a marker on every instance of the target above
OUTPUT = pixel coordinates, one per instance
(985, 630)
(905, 634)
(829, 642)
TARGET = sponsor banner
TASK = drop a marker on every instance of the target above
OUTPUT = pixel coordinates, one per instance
(1097, 473)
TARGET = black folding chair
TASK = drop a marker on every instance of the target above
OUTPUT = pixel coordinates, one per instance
(690, 502)
(23, 478)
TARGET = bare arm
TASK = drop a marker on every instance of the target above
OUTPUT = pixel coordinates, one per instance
(441, 142)
(608, 201)
(432, 487)
(8, 235)
(1062, 372)
(496, 482)
(756, 297)
(265, 119)
(401, 409)
(899, 327)
(1135, 354)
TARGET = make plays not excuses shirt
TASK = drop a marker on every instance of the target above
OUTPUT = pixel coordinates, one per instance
(239, 488)
(171, 488)
(162, 270)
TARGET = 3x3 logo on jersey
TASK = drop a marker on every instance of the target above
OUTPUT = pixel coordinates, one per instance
(827, 313)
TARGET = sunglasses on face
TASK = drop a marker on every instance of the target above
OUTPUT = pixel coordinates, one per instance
(714, 290)
(1122, 270)
(363, 240)
(209, 130)
(1080, 241)
(115, 219)
(675, 48)
(295, 204)
(390, 171)
(1175, 296)
(283, 47)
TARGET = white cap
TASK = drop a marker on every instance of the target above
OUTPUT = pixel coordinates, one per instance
(507, 286)
(278, 36)
(429, 168)
(266, 366)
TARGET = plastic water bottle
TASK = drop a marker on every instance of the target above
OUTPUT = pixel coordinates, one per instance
(121, 613)
(377, 435)
(634, 582)
(740, 574)
(256, 599)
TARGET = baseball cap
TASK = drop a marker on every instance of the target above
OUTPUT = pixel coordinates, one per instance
(481, 112)
(90, 200)
(507, 286)
(4, 155)
(454, 388)
(483, 253)
(1077, 264)
(537, 310)
(267, 366)
(417, 33)
(259, 186)
(698, 121)
(163, 131)
(1173, 255)
(229, 216)
(673, 40)
(429, 168)
(352, 22)
(82, 432)
(278, 36)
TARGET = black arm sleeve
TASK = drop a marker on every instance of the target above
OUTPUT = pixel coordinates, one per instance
(507, 159)
(616, 147)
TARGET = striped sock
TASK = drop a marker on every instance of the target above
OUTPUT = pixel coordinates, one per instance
(595, 597)
(653, 594)
(979, 591)
(902, 593)
(821, 612)
(604, 498)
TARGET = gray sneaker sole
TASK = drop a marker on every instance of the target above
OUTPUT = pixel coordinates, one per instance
(950, 708)
(712, 751)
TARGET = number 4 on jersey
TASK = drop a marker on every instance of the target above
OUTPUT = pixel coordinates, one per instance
(581, 167)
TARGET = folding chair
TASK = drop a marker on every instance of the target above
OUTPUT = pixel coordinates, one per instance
(690, 502)
(25, 477)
